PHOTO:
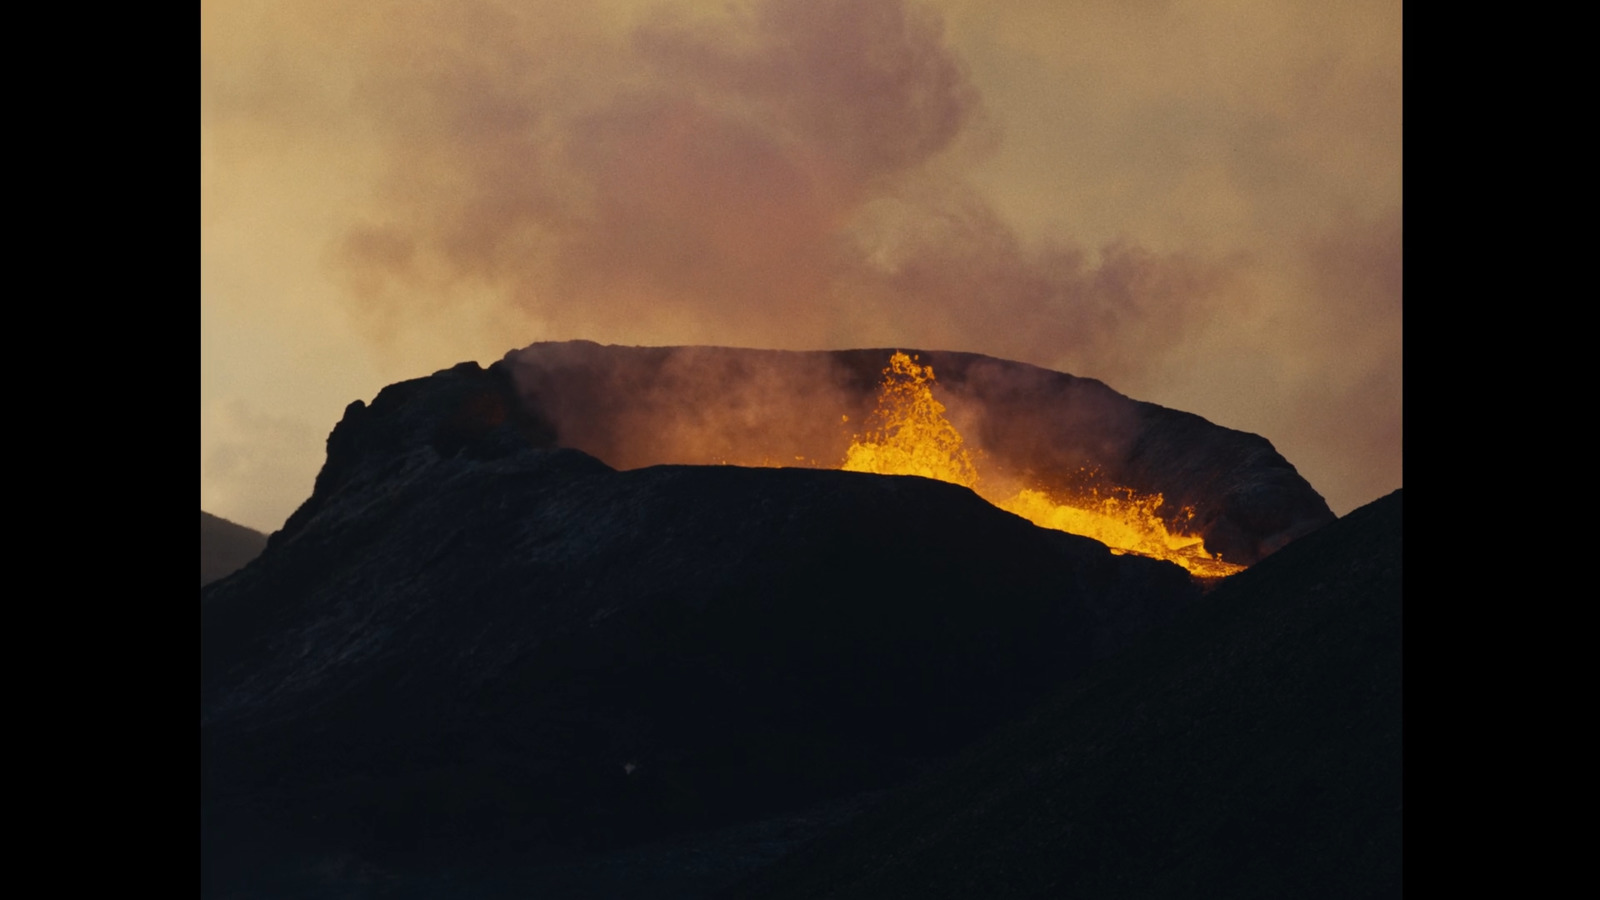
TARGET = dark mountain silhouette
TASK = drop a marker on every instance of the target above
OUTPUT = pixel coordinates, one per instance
(1251, 749)
(463, 646)
(225, 547)
(476, 653)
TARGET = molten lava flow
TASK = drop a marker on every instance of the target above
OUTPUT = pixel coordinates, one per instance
(1127, 524)
(910, 435)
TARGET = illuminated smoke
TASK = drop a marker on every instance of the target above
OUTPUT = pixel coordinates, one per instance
(787, 175)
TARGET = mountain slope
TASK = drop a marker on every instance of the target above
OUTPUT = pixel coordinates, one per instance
(1252, 749)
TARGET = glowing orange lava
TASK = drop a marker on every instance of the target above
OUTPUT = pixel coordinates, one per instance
(909, 435)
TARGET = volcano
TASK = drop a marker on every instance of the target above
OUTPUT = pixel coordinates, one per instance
(596, 596)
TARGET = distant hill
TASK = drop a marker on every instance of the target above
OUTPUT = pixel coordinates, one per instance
(1252, 749)
(225, 547)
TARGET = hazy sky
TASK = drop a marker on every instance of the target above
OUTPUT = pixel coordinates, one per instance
(1198, 203)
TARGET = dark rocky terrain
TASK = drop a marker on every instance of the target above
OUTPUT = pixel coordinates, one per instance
(225, 547)
(466, 651)
(1251, 749)
(640, 406)
(478, 662)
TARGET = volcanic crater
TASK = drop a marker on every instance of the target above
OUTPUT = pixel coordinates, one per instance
(1072, 440)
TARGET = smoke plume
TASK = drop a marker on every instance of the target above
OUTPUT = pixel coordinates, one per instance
(784, 176)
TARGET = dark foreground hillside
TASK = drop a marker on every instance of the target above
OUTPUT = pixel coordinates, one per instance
(1253, 749)
(469, 657)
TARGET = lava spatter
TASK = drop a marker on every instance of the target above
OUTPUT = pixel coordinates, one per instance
(909, 434)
